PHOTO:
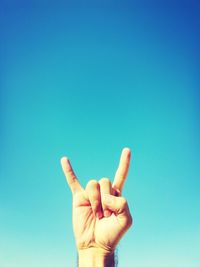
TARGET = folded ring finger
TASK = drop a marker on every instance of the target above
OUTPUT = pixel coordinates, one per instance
(105, 188)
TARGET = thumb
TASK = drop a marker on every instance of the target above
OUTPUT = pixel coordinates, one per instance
(116, 204)
(119, 206)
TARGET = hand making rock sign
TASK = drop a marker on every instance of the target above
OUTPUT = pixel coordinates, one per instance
(101, 214)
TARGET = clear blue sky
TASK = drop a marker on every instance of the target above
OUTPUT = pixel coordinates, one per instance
(85, 80)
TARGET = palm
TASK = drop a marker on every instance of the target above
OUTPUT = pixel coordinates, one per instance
(89, 230)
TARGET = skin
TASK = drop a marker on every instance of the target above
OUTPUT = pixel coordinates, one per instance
(101, 215)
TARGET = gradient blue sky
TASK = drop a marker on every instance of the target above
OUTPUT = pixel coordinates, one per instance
(85, 80)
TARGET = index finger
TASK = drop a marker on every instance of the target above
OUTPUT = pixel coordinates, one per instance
(70, 175)
(122, 170)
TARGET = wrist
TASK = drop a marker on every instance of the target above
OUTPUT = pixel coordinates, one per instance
(95, 257)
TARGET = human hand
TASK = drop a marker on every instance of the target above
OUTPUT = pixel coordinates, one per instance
(100, 214)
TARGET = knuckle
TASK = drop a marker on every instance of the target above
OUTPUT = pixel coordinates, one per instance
(93, 190)
(92, 183)
(104, 180)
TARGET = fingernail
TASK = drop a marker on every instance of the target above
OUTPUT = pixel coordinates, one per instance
(107, 213)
